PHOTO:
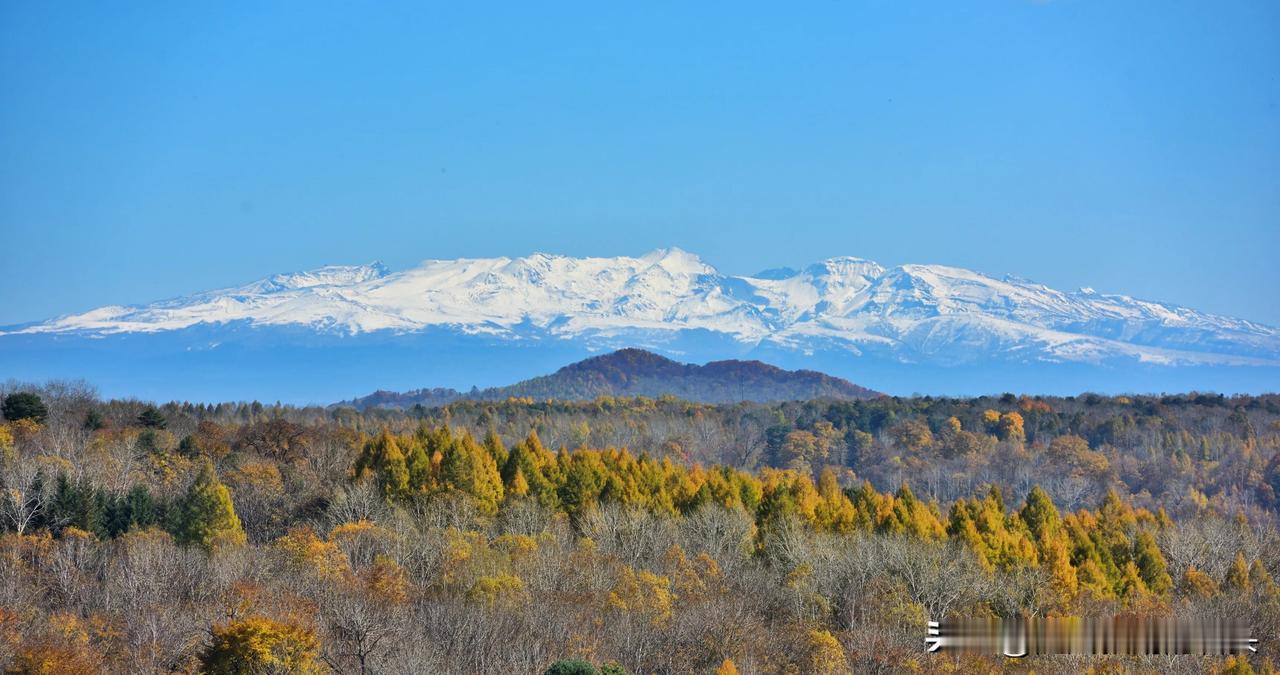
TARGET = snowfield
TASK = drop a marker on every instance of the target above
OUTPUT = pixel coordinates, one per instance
(908, 313)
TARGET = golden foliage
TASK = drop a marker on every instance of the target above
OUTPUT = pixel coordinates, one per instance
(261, 644)
(727, 668)
(823, 654)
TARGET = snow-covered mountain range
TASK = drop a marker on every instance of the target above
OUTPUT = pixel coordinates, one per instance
(911, 312)
(339, 331)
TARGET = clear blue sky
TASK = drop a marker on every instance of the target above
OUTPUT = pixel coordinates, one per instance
(153, 149)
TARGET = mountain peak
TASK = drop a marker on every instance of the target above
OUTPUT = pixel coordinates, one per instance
(843, 305)
(329, 275)
(846, 266)
(676, 259)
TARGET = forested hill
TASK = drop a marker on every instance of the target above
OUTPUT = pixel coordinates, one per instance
(636, 372)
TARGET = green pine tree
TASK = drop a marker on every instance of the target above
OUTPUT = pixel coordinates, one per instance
(205, 516)
(152, 419)
(419, 465)
(24, 405)
(1151, 564)
(382, 457)
(493, 444)
(470, 468)
(1039, 514)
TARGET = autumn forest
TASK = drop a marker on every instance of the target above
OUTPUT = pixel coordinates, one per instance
(637, 535)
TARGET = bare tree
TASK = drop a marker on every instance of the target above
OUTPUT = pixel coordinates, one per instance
(24, 496)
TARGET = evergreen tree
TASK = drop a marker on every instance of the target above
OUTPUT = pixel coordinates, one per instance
(493, 444)
(24, 405)
(584, 478)
(526, 460)
(1237, 578)
(1063, 580)
(382, 457)
(518, 487)
(115, 517)
(93, 421)
(572, 667)
(74, 504)
(1130, 585)
(467, 467)
(152, 419)
(135, 510)
(834, 513)
(1039, 514)
(421, 471)
(205, 515)
(1151, 564)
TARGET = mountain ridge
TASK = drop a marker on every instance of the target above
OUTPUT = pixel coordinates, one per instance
(637, 372)
(326, 333)
(912, 311)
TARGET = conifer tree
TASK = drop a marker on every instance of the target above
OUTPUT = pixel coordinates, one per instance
(420, 468)
(584, 478)
(961, 527)
(1039, 514)
(1063, 580)
(518, 487)
(834, 513)
(457, 466)
(382, 456)
(152, 419)
(493, 444)
(22, 406)
(136, 509)
(205, 515)
(1151, 564)
(996, 496)
(1093, 579)
(1237, 665)
(1237, 578)
(572, 667)
(526, 459)
(1131, 585)
(74, 505)
(467, 467)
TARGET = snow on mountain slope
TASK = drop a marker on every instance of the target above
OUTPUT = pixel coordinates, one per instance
(908, 313)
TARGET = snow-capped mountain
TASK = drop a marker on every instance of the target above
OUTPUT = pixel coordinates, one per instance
(912, 311)
(847, 313)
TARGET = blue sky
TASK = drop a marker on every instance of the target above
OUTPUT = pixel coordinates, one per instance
(150, 149)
